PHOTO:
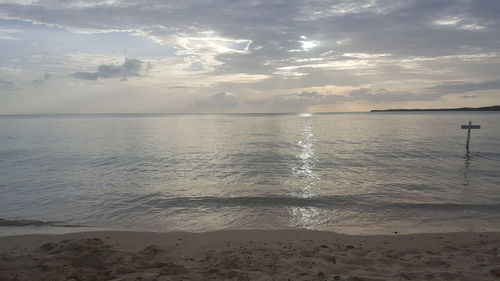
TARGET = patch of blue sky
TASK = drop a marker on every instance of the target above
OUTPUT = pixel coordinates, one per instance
(28, 39)
(238, 46)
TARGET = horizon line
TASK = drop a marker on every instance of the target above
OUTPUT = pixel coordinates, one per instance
(251, 113)
(183, 113)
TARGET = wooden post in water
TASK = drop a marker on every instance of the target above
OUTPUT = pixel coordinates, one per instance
(469, 127)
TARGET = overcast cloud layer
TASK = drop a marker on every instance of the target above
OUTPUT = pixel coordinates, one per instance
(247, 56)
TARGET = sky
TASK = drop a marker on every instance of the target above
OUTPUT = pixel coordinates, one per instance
(227, 56)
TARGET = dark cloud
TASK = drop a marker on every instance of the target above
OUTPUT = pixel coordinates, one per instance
(277, 27)
(129, 68)
(40, 81)
(470, 96)
(308, 95)
(8, 86)
(461, 87)
(86, 75)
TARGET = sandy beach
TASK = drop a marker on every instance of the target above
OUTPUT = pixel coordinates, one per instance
(250, 255)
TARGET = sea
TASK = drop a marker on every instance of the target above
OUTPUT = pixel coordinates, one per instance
(355, 173)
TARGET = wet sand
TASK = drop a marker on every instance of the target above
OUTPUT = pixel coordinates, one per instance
(250, 255)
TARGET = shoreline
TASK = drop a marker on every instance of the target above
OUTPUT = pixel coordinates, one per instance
(466, 225)
(250, 254)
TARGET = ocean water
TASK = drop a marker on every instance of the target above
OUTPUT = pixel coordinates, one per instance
(348, 172)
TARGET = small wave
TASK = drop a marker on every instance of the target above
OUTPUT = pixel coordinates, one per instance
(447, 206)
(5, 222)
(367, 202)
(245, 201)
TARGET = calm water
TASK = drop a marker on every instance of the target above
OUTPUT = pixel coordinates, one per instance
(356, 173)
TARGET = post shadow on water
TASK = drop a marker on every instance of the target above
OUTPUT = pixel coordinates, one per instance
(468, 153)
(467, 192)
(468, 158)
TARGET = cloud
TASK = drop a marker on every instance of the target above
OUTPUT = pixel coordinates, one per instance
(129, 68)
(8, 86)
(299, 100)
(9, 34)
(221, 99)
(308, 95)
(195, 66)
(383, 95)
(403, 28)
(40, 81)
(470, 96)
(219, 45)
(458, 22)
(315, 98)
(461, 87)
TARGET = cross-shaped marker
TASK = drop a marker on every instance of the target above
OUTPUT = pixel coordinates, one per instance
(469, 127)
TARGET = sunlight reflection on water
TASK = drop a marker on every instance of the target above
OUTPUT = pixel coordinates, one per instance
(305, 216)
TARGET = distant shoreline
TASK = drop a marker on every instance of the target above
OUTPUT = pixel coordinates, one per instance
(485, 108)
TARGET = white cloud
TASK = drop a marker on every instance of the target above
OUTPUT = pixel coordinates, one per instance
(206, 46)
(10, 34)
(459, 22)
(449, 21)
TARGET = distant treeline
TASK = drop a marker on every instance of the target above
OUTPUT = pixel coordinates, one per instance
(485, 108)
